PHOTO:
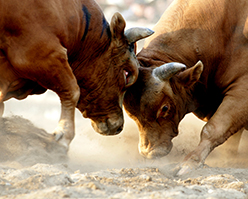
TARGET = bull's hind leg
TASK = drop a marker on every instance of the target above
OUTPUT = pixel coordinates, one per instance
(2, 94)
(6, 76)
(1, 109)
(230, 117)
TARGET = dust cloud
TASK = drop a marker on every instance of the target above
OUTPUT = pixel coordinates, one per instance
(91, 151)
(38, 116)
(33, 165)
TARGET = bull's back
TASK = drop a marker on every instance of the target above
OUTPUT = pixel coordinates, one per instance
(69, 21)
(27, 18)
(192, 30)
(25, 28)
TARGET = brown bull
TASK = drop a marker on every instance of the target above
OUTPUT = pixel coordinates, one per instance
(68, 46)
(215, 88)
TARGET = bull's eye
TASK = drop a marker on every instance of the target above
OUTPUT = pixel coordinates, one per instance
(128, 77)
(165, 109)
(163, 112)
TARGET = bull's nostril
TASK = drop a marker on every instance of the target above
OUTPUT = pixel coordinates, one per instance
(119, 130)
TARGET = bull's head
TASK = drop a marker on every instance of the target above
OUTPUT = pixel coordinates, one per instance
(112, 73)
(157, 102)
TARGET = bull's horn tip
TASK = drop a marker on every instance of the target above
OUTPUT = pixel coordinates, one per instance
(149, 31)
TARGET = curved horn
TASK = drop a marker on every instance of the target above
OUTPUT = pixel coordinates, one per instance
(166, 71)
(137, 33)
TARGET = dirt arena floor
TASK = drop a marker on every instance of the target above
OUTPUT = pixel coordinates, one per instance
(32, 165)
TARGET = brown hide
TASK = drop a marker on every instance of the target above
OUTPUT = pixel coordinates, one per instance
(215, 32)
(67, 46)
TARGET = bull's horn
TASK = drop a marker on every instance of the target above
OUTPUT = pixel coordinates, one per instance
(137, 33)
(166, 71)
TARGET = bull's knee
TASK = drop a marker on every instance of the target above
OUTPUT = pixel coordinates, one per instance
(216, 134)
(76, 94)
(206, 133)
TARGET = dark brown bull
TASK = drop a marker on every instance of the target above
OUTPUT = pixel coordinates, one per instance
(215, 88)
(68, 46)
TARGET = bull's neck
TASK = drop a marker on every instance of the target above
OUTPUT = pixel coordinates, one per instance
(93, 40)
(188, 32)
(170, 47)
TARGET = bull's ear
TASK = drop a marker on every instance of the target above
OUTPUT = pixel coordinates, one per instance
(117, 26)
(190, 76)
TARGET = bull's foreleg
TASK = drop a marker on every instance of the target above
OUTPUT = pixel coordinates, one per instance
(64, 132)
(50, 68)
(61, 80)
(232, 145)
(65, 85)
(230, 117)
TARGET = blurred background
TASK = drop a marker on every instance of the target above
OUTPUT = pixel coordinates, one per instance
(139, 11)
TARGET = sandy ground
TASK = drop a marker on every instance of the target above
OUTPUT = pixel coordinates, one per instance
(32, 165)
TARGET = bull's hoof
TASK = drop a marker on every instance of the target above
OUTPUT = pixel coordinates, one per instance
(184, 169)
(187, 166)
(59, 137)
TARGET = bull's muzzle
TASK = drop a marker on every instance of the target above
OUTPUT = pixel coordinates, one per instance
(155, 151)
(111, 126)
